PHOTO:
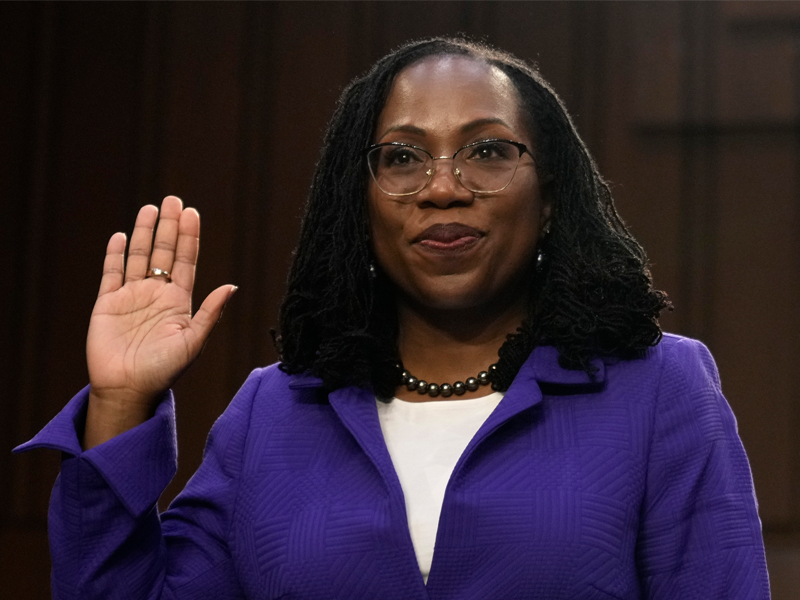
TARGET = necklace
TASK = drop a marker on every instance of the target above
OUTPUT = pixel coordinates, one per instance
(445, 389)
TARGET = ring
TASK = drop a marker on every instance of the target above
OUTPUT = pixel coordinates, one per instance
(155, 272)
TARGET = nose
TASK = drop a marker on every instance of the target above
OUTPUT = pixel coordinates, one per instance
(444, 189)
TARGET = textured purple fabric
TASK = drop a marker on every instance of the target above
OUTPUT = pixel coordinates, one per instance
(632, 486)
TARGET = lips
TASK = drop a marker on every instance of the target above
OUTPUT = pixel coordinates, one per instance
(448, 237)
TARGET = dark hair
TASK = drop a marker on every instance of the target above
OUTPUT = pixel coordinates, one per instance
(592, 296)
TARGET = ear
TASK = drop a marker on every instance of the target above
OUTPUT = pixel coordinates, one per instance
(546, 210)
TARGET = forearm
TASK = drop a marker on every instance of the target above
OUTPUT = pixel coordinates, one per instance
(100, 550)
(105, 532)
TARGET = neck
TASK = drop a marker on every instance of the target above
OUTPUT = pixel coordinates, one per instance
(445, 346)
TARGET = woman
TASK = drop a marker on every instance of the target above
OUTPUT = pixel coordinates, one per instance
(470, 360)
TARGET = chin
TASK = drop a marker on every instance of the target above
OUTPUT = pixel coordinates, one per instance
(490, 293)
(454, 297)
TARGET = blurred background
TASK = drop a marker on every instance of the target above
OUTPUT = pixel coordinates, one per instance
(692, 111)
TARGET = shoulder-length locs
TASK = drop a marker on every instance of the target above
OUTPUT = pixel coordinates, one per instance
(591, 296)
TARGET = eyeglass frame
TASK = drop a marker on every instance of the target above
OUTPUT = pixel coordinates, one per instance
(522, 148)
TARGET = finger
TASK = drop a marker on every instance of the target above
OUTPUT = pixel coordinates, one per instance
(209, 313)
(183, 269)
(166, 234)
(139, 250)
(114, 264)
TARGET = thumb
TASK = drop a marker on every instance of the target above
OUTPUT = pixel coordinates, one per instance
(210, 312)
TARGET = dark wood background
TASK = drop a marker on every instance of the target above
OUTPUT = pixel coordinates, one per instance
(691, 109)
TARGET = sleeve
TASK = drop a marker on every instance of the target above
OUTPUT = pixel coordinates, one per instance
(107, 538)
(700, 535)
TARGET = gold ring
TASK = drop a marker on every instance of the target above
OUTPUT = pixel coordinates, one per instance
(155, 272)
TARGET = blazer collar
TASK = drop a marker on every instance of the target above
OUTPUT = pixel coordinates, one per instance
(556, 381)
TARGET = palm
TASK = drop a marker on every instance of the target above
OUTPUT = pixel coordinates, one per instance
(142, 335)
(139, 337)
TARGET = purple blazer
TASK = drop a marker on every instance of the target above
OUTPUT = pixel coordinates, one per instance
(634, 485)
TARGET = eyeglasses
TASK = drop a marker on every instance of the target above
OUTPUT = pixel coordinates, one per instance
(484, 167)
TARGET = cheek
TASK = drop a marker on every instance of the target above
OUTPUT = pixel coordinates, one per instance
(520, 228)
(385, 229)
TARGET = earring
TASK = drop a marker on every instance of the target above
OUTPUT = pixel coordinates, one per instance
(373, 272)
(539, 259)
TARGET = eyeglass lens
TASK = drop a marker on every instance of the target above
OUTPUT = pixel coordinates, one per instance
(485, 167)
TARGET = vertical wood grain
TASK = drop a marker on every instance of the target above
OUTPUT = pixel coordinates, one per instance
(30, 277)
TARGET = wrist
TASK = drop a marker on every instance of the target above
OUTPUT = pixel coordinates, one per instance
(113, 412)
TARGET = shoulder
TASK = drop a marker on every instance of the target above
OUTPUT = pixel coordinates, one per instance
(676, 361)
(690, 409)
(271, 397)
(688, 358)
(267, 398)
(271, 381)
(266, 390)
(675, 385)
(686, 368)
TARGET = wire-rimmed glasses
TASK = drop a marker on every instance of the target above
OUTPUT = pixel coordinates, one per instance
(484, 167)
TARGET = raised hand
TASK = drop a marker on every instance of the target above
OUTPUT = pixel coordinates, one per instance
(142, 335)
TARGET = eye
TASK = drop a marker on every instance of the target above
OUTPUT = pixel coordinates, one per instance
(492, 150)
(400, 157)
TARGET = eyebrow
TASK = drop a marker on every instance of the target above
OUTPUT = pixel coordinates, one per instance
(466, 128)
(477, 123)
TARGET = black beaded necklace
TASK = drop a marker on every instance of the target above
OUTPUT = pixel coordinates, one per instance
(445, 389)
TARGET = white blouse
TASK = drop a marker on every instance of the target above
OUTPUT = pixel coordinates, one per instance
(425, 441)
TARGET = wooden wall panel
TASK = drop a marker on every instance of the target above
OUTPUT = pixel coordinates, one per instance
(566, 41)
(644, 169)
(755, 318)
(81, 134)
(774, 13)
(72, 141)
(25, 67)
(22, 232)
(658, 57)
(757, 271)
(749, 93)
(386, 25)
(542, 34)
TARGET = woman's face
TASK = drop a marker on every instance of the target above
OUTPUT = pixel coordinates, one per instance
(448, 248)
